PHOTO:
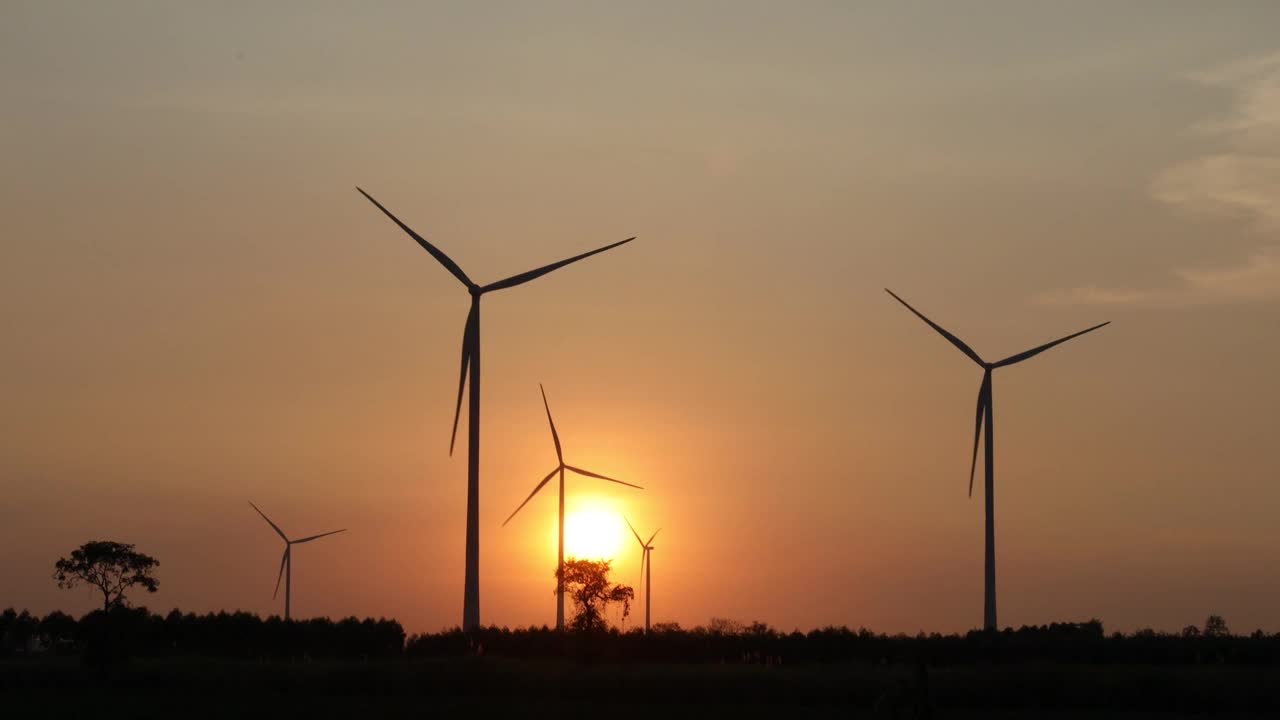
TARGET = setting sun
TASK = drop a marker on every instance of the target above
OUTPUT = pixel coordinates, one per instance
(593, 532)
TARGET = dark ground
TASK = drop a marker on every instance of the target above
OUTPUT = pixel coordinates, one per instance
(201, 688)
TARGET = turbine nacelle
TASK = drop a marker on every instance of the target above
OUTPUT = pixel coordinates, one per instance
(470, 333)
(286, 560)
(984, 391)
(562, 465)
(645, 545)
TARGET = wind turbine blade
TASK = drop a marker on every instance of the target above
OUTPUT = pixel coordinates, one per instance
(588, 473)
(643, 552)
(554, 435)
(525, 277)
(283, 559)
(633, 531)
(443, 259)
(273, 525)
(977, 428)
(314, 537)
(545, 480)
(1012, 359)
(954, 340)
(468, 331)
(651, 537)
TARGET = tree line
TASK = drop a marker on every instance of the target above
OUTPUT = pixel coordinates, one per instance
(122, 632)
(727, 641)
(105, 635)
(119, 631)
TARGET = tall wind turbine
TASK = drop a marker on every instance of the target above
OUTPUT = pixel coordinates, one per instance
(559, 469)
(286, 562)
(646, 569)
(471, 360)
(985, 417)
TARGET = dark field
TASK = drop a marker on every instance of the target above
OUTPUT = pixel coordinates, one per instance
(181, 687)
(130, 663)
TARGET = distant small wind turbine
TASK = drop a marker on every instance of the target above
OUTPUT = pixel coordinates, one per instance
(560, 468)
(985, 412)
(471, 361)
(646, 569)
(286, 562)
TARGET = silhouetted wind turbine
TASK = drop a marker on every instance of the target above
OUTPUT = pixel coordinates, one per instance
(286, 562)
(985, 413)
(471, 360)
(560, 468)
(646, 569)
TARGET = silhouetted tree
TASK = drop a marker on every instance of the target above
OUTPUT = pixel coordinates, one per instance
(724, 626)
(587, 582)
(1215, 626)
(111, 567)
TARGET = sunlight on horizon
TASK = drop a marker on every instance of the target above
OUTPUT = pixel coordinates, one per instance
(592, 530)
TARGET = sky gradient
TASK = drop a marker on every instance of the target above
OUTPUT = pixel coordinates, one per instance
(199, 308)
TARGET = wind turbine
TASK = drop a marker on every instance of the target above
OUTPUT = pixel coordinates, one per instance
(559, 469)
(646, 569)
(286, 562)
(471, 360)
(985, 417)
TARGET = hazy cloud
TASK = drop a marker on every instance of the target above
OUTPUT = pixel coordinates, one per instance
(1240, 182)
(1234, 185)
(1256, 279)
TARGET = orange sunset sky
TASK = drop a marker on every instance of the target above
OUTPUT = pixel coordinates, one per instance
(200, 310)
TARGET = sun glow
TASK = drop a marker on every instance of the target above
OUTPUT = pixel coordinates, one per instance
(593, 532)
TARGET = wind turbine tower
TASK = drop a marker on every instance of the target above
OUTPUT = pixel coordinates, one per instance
(559, 469)
(471, 363)
(646, 569)
(985, 428)
(286, 561)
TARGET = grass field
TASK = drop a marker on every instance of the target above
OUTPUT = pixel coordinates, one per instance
(198, 688)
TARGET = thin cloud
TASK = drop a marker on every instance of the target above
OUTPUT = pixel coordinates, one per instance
(1238, 183)
(1257, 279)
